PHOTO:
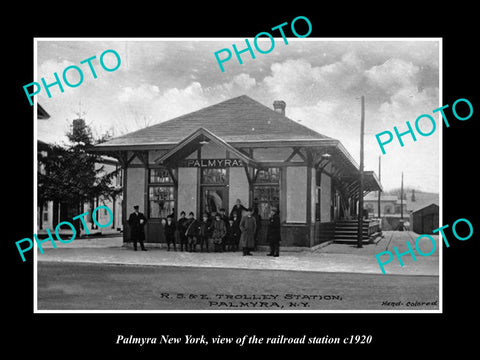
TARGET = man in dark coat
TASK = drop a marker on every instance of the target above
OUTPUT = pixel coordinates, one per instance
(236, 225)
(258, 219)
(248, 226)
(273, 234)
(169, 229)
(191, 232)
(137, 223)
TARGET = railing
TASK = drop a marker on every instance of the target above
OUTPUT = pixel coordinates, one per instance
(374, 226)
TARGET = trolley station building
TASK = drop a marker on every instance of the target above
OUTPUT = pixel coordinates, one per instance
(239, 149)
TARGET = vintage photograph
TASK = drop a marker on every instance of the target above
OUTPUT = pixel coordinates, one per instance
(165, 184)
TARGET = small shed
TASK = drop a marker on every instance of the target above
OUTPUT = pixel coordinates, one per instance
(425, 220)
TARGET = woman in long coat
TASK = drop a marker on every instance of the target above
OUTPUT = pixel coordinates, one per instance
(248, 225)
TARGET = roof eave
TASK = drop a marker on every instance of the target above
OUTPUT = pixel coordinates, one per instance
(253, 143)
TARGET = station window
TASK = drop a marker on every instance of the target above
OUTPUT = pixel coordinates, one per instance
(45, 211)
(270, 176)
(161, 201)
(161, 194)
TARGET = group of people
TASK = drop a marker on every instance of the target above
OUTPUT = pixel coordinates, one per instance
(216, 231)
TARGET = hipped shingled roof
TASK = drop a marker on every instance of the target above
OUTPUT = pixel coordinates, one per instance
(240, 119)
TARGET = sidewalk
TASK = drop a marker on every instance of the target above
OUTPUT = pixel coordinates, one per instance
(93, 233)
(344, 258)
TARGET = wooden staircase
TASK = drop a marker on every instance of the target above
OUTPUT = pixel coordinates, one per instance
(346, 231)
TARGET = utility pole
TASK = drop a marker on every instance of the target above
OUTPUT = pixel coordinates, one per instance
(379, 179)
(401, 199)
(360, 189)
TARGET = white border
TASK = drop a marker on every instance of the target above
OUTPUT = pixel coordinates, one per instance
(35, 179)
(440, 178)
(35, 74)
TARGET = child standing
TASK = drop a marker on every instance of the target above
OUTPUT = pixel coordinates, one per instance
(219, 231)
(233, 236)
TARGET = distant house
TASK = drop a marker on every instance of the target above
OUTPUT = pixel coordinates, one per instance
(388, 205)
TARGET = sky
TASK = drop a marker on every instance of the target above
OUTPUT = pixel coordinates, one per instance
(321, 81)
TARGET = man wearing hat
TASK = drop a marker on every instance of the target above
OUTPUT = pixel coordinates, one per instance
(137, 223)
(273, 234)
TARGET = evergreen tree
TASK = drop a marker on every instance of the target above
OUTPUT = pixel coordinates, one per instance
(73, 175)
